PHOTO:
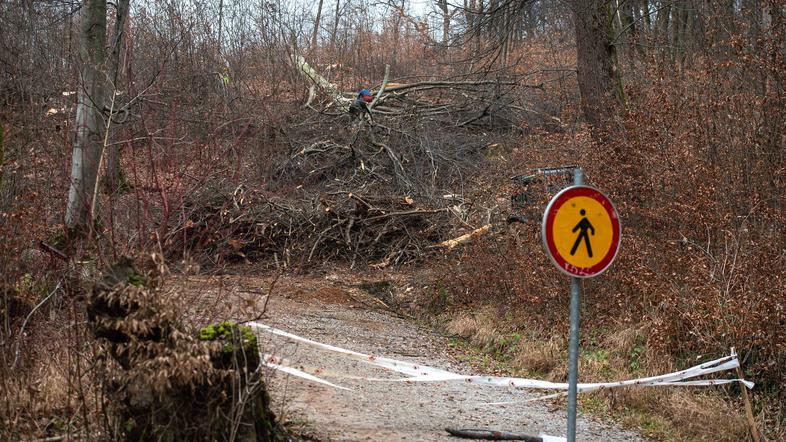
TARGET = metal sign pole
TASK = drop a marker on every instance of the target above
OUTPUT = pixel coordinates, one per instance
(586, 210)
(573, 346)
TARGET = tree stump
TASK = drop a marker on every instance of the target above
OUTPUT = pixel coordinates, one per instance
(164, 384)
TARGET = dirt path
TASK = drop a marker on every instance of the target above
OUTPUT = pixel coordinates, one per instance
(335, 314)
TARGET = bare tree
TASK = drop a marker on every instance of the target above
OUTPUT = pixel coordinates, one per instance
(2, 154)
(220, 24)
(88, 125)
(336, 19)
(113, 156)
(316, 25)
(444, 8)
(396, 32)
(600, 82)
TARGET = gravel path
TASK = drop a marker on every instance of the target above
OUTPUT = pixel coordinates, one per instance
(390, 411)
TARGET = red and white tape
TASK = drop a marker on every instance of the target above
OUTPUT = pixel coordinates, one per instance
(422, 373)
(278, 364)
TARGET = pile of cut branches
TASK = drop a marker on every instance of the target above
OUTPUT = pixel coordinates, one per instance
(351, 189)
(296, 233)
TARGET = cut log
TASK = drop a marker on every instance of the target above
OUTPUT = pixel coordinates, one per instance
(451, 243)
(381, 88)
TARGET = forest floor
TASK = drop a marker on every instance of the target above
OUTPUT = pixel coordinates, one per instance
(347, 311)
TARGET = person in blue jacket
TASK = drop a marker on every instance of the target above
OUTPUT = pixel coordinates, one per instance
(360, 105)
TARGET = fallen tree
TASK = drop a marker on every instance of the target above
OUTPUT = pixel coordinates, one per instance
(470, 99)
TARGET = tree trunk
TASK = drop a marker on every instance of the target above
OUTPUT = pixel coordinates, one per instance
(443, 6)
(629, 25)
(2, 154)
(774, 19)
(491, 26)
(322, 82)
(469, 16)
(645, 10)
(396, 36)
(220, 24)
(88, 124)
(599, 79)
(479, 27)
(316, 26)
(113, 172)
(682, 31)
(335, 25)
(662, 24)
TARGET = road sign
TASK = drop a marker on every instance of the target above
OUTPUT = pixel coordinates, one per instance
(581, 231)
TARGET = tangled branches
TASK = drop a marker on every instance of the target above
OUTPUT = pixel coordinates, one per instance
(335, 226)
(378, 192)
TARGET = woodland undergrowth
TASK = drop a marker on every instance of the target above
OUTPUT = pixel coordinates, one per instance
(700, 270)
(223, 173)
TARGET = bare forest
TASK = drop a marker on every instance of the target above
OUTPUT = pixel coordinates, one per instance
(400, 146)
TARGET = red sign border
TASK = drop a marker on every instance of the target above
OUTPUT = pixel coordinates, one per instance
(547, 231)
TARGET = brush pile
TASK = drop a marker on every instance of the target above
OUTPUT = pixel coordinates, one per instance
(380, 188)
(335, 226)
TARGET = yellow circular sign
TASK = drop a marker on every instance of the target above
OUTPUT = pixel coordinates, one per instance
(581, 243)
(581, 231)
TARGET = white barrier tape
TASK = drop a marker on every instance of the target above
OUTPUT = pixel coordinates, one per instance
(407, 368)
(420, 373)
(302, 374)
(721, 364)
(310, 373)
(708, 383)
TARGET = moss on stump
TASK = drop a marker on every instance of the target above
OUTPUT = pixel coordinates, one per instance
(238, 345)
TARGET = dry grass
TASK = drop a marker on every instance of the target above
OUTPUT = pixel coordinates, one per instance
(51, 391)
(480, 329)
(660, 413)
(678, 414)
(542, 356)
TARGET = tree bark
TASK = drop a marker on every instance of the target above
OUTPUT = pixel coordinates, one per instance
(600, 82)
(88, 124)
(322, 82)
(335, 25)
(443, 7)
(662, 24)
(679, 32)
(469, 15)
(774, 18)
(113, 172)
(2, 154)
(220, 23)
(478, 27)
(396, 34)
(316, 26)
(645, 10)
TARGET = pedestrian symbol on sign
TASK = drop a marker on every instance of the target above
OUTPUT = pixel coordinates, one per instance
(583, 225)
(581, 231)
